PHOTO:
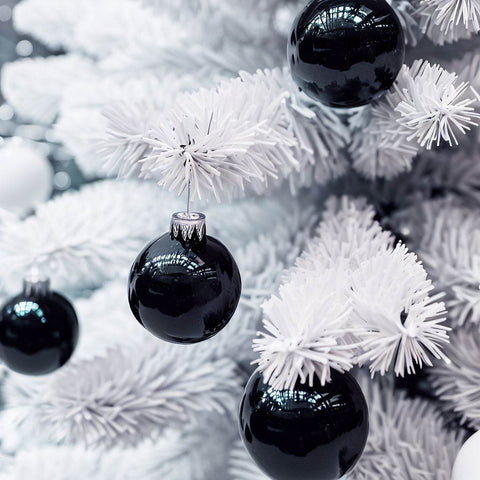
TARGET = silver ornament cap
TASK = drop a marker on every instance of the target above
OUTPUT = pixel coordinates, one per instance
(35, 284)
(186, 225)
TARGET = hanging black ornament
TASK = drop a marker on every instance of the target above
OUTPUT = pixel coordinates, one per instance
(312, 433)
(38, 329)
(185, 286)
(346, 53)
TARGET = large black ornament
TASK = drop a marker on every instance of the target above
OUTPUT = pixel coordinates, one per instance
(185, 286)
(38, 330)
(312, 433)
(346, 53)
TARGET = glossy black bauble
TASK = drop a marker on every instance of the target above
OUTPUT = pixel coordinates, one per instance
(312, 433)
(184, 291)
(346, 53)
(38, 333)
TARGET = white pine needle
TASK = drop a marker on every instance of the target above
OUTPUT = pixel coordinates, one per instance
(241, 466)
(124, 397)
(347, 235)
(446, 21)
(34, 86)
(407, 438)
(305, 329)
(458, 383)
(449, 244)
(434, 105)
(391, 299)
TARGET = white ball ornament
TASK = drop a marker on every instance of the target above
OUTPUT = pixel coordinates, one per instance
(467, 463)
(26, 176)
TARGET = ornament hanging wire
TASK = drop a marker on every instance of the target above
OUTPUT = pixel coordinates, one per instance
(185, 225)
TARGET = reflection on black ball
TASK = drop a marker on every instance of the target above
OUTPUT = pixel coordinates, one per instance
(308, 433)
(184, 292)
(38, 333)
(346, 53)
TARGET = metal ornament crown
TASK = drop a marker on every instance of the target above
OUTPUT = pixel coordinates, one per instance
(186, 224)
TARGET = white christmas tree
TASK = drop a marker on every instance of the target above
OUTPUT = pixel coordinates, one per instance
(154, 99)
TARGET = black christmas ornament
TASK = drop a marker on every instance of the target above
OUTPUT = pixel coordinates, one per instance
(312, 433)
(346, 53)
(38, 329)
(185, 286)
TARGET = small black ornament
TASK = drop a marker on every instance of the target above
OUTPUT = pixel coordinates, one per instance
(312, 433)
(38, 330)
(346, 53)
(185, 286)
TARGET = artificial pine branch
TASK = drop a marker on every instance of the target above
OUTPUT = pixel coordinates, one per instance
(375, 305)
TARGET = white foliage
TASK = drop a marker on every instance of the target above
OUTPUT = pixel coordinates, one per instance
(106, 322)
(458, 383)
(426, 107)
(127, 395)
(313, 326)
(391, 298)
(86, 108)
(305, 331)
(382, 149)
(446, 21)
(114, 25)
(321, 135)
(63, 463)
(449, 244)
(249, 130)
(241, 466)
(199, 451)
(221, 138)
(83, 239)
(79, 130)
(34, 86)
(178, 454)
(434, 105)
(407, 438)
(347, 235)
(52, 21)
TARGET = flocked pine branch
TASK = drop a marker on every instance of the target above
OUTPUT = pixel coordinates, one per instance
(407, 437)
(88, 104)
(123, 397)
(306, 326)
(446, 21)
(241, 466)
(48, 462)
(448, 238)
(34, 86)
(181, 453)
(393, 317)
(82, 239)
(347, 234)
(178, 454)
(403, 323)
(247, 130)
(457, 384)
(426, 107)
(109, 30)
(51, 22)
